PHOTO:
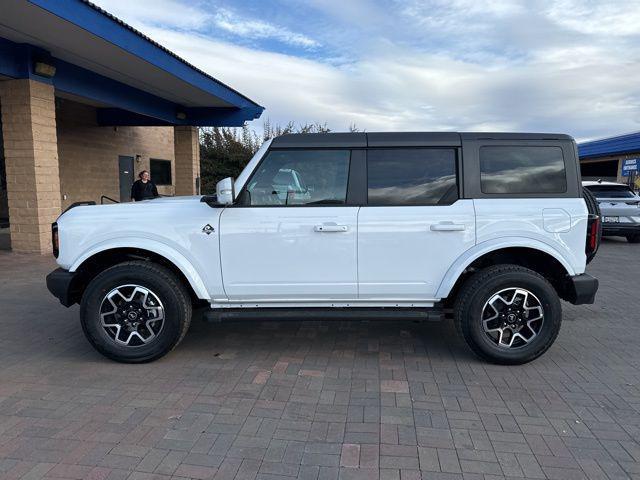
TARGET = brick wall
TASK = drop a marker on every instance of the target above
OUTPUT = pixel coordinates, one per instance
(31, 157)
(187, 150)
(89, 153)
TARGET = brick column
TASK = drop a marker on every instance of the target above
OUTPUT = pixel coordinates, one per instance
(187, 159)
(31, 158)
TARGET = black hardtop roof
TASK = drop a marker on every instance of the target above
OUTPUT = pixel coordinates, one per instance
(397, 139)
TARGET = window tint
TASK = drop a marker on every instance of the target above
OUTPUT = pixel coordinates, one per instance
(411, 176)
(507, 169)
(160, 171)
(299, 177)
(611, 191)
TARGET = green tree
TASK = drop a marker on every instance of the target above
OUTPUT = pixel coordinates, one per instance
(224, 151)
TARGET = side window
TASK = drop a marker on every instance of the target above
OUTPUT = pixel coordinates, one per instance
(299, 177)
(411, 176)
(522, 170)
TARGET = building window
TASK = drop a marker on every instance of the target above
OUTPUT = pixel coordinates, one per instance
(418, 176)
(522, 170)
(160, 171)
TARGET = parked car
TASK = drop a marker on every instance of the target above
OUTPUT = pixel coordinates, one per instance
(492, 227)
(620, 209)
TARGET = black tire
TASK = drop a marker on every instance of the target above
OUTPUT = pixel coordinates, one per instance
(594, 209)
(164, 285)
(480, 287)
(634, 238)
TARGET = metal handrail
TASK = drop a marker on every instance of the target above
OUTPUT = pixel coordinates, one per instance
(104, 197)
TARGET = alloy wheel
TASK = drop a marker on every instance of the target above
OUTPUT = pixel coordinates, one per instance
(512, 317)
(132, 315)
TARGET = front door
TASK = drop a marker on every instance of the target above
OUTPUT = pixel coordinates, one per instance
(125, 166)
(291, 235)
(414, 226)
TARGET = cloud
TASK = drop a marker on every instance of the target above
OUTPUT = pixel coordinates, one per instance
(166, 13)
(496, 65)
(612, 19)
(174, 14)
(258, 29)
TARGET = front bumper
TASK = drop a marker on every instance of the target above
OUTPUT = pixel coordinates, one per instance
(581, 289)
(60, 284)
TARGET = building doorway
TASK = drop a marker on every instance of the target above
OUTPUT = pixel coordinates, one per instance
(125, 165)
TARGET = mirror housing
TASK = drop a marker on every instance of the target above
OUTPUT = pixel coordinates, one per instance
(225, 191)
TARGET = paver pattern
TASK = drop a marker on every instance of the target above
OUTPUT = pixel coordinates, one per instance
(320, 400)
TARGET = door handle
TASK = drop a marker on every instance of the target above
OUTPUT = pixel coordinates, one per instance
(330, 227)
(447, 227)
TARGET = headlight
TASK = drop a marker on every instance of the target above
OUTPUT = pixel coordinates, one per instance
(635, 219)
(55, 240)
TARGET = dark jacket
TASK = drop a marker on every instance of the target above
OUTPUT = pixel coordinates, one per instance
(143, 191)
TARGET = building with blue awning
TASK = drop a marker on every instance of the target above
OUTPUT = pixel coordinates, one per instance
(87, 102)
(609, 158)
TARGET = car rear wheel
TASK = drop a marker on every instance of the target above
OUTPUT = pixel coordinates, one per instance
(135, 312)
(508, 314)
(635, 238)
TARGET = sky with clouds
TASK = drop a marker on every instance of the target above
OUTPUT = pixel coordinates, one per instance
(570, 66)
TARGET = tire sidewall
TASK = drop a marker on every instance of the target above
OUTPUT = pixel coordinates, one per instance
(633, 238)
(472, 318)
(124, 275)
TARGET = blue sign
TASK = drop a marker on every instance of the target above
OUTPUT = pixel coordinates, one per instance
(629, 166)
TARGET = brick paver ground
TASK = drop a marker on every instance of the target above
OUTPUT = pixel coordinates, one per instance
(320, 400)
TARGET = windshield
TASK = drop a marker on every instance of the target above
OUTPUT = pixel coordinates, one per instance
(611, 191)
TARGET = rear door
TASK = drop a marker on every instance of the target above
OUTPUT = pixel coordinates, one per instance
(292, 235)
(413, 226)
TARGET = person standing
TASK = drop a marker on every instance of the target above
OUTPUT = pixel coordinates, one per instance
(143, 188)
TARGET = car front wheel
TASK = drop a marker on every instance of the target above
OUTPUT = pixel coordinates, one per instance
(508, 314)
(135, 312)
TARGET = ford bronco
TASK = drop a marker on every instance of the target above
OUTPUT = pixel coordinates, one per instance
(491, 229)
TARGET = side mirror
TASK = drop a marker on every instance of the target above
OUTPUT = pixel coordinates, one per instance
(225, 191)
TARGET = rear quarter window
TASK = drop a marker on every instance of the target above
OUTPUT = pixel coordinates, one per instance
(508, 169)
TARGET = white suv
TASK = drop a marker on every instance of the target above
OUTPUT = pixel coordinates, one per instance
(619, 207)
(491, 227)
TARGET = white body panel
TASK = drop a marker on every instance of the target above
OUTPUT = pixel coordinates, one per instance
(273, 256)
(289, 253)
(171, 228)
(558, 223)
(404, 252)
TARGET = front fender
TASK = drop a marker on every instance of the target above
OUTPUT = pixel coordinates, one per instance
(172, 255)
(468, 257)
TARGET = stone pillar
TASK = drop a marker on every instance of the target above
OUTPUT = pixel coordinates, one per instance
(31, 158)
(187, 159)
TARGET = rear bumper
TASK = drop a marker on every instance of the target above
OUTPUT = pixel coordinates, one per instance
(581, 289)
(620, 229)
(59, 283)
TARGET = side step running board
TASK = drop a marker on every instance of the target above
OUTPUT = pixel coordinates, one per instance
(297, 314)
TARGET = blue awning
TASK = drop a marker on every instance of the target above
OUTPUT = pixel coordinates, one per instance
(618, 145)
(129, 77)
